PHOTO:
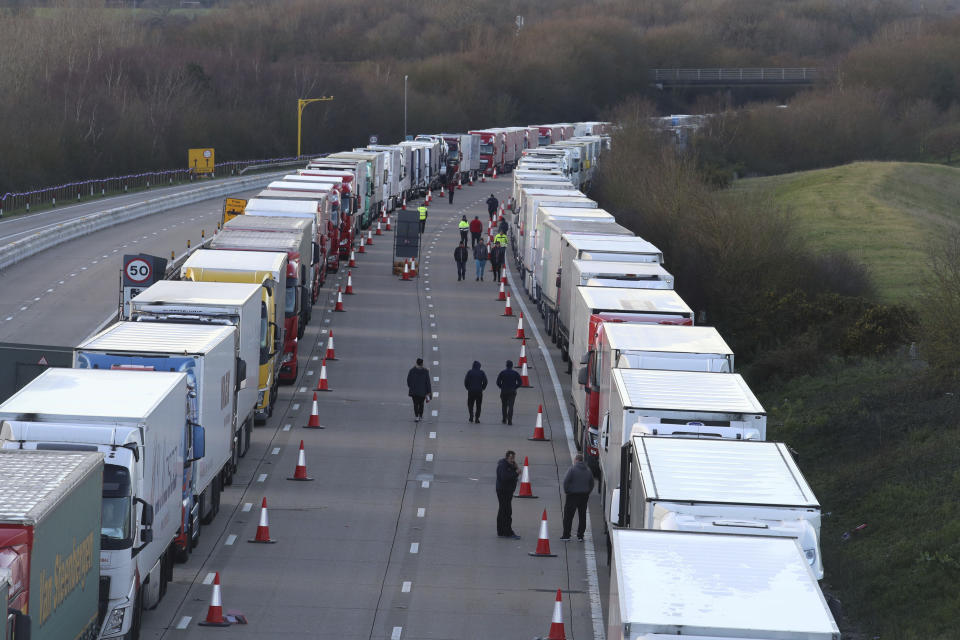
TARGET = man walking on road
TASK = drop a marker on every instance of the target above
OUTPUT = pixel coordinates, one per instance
(475, 382)
(418, 386)
(480, 257)
(460, 256)
(423, 217)
(577, 485)
(497, 257)
(507, 475)
(492, 204)
(508, 381)
(450, 191)
(464, 227)
(476, 228)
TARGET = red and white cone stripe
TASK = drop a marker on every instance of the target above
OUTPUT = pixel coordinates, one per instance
(556, 625)
(388, 223)
(520, 335)
(503, 293)
(526, 491)
(353, 259)
(538, 434)
(349, 290)
(339, 305)
(370, 236)
(379, 230)
(524, 376)
(300, 473)
(413, 267)
(508, 310)
(263, 529)
(323, 384)
(406, 270)
(523, 354)
(543, 540)
(215, 610)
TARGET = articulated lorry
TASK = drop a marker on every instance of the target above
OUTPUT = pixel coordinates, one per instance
(362, 184)
(527, 225)
(239, 305)
(210, 356)
(50, 544)
(567, 218)
(138, 421)
(716, 486)
(294, 315)
(324, 215)
(696, 586)
(269, 271)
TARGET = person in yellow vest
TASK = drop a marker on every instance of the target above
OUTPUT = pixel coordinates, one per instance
(423, 217)
(501, 239)
(464, 227)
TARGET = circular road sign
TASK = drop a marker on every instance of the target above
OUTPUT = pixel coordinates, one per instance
(138, 270)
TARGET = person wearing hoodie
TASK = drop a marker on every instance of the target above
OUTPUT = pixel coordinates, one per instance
(475, 382)
(508, 381)
(480, 257)
(577, 485)
(418, 388)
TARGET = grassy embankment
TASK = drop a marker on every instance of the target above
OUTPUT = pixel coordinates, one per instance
(878, 445)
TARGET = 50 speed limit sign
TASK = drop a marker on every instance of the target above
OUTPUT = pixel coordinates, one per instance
(138, 270)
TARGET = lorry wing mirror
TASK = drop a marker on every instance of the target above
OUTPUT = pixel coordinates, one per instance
(316, 253)
(269, 284)
(21, 624)
(582, 377)
(586, 358)
(241, 374)
(146, 513)
(146, 536)
(199, 442)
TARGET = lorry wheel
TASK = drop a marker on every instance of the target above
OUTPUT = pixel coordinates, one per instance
(213, 498)
(246, 439)
(182, 555)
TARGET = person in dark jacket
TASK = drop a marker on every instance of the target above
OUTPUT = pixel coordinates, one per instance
(503, 227)
(577, 485)
(508, 381)
(475, 382)
(418, 385)
(460, 255)
(507, 475)
(498, 255)
(476, 228)
(480, 257)
(492, 204)
(450, 189)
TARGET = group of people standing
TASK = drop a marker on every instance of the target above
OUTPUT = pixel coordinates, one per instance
(497, 254)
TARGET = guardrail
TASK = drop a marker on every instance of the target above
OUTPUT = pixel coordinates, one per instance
(102, 187)
(736, 75)
(18, 250)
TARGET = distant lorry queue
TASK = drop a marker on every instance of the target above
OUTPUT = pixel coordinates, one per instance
(159, 408)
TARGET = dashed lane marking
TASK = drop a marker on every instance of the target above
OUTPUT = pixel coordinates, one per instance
(421, 512)
(433, 435)
(209, 578)
(434, 413)
(231, 539)
(425, 484)
(275, 451)
(262, 477)
(286, 427)
(429, 457)
(407, 585)
(395, 635)
(247, 506)
(414, 547)
(184, 622)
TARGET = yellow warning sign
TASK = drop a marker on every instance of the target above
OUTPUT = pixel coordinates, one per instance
(232, 207)
(200, 160)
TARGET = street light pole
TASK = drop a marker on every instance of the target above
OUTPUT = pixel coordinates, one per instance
(404, 107)
(301, 104)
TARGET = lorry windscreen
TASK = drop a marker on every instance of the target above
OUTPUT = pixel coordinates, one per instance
(115, 517)
(544, 140)
(486, 148)
(264, 333)
(290, 307)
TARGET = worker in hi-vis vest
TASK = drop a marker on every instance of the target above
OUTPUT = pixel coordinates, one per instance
(423, 217)
(464, 227)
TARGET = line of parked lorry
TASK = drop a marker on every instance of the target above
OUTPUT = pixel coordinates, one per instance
(141, 436)
(712, 531)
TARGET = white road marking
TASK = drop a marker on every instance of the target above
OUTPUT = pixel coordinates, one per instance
(433, 435)
(303, 389)
(435, 348)
(247, 506)
(425, 484)
(262, 477)
(421, 512)
(436, 394)
(184, 622)
(396, 633)
(296, 405)
(275, 451)
(432, 324)
(414, 547)
(436, 362)
(434, 413)
(286, 427)
(309, 373)
(429, 457)
(407, 585)
(209, 578)
(231, 539)
(436, 378)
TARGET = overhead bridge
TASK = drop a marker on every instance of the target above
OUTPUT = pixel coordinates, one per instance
(734, 77)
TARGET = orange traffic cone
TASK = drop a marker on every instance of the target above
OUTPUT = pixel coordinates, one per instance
(215, 610)
(300, 473)
(430, 195)
(483, 177)
(543, 541)
(263, 529)
(404, 203)
(503, 294)
(524, 376)
(459, 183)
(556, 625)
(470, 179)
(413, 267)
(339, 305)
(360, 248)
(441, 191)
(538, 434)
(323, 384)
(520, 335)
(406, 270)
(503, 279)
(331, 352)
(379, 231)
(353, 259)
(369, 237)
(494, 173)
(523, 354)
(388, 223)
(525, 489)
(314, 422)
(349, 290)
(508, 310)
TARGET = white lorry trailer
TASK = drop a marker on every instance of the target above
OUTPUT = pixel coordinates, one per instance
(210, 356)
(233, 304)
(527, 225)
(695, 586)
(138, 420)
(639, 346)
(716, 486)
(568, 215)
